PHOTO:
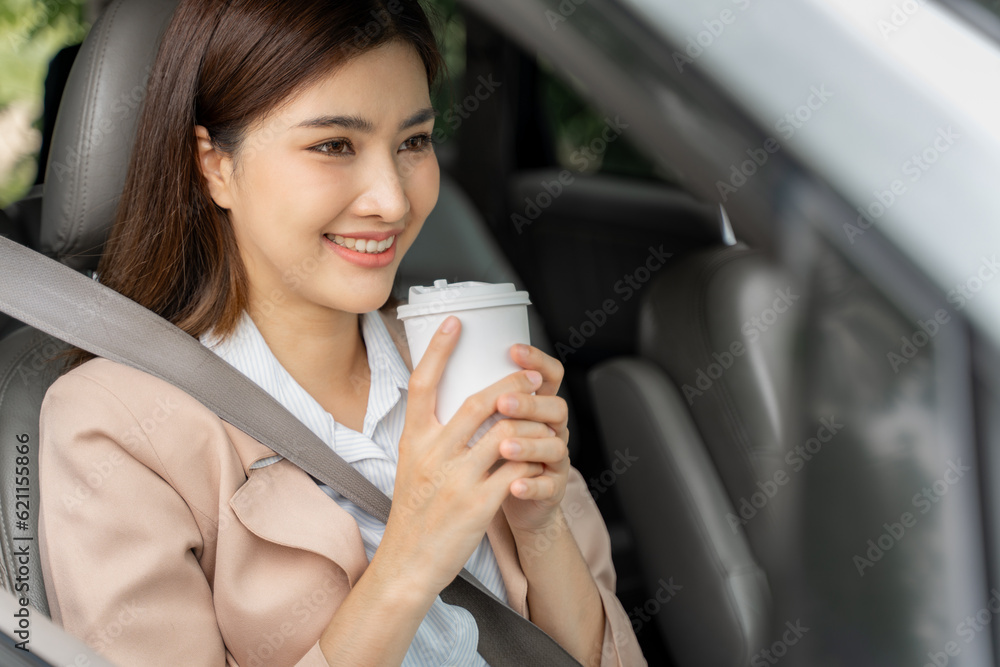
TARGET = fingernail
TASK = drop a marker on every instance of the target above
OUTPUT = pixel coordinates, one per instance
(551, 431)
(512, 448)
(520, 488)
(534, 377)
(450, 324)
(510, 403)
(521, 351)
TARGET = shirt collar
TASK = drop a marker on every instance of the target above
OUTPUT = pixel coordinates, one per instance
(386, 364)
(248, 352)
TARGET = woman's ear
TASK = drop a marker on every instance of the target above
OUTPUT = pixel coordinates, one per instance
(216, 168)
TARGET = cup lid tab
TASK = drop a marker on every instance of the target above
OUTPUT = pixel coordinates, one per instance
(443, 297)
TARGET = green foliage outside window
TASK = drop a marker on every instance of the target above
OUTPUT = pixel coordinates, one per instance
(449, 28)
(31, 32)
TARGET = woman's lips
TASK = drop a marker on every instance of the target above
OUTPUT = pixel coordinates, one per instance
(363, 243)
(366, 259)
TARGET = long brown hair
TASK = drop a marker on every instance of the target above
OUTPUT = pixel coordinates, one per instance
(225, 64)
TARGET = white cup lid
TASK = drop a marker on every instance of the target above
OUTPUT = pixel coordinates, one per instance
(445, 297)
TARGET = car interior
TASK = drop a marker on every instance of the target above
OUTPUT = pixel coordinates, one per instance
(617, 381)
(681, 414)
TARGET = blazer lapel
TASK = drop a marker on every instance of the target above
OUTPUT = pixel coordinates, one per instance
(282, 504)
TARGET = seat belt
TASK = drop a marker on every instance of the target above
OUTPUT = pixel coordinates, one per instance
(54, 298)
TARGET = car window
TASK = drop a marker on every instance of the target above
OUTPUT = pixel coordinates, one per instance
(981, 14)
(33, 36)
(990, 5)
(449, 27)
(576, 129)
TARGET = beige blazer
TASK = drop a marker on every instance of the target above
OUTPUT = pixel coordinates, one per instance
(160, 545)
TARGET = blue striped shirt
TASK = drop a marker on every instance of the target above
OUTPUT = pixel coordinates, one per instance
(448, 635)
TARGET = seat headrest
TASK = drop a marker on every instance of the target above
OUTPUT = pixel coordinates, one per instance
(95, 127)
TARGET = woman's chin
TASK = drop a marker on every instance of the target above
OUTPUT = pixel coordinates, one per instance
(364, 302)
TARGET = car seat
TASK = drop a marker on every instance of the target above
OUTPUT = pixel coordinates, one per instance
(90, 149)
(10, 230)
(706, 409)
(24, 217)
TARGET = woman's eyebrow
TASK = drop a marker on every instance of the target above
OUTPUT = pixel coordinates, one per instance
(418, 118)
(364, 125)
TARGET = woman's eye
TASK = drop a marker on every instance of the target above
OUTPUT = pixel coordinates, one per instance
(416, 143)
(334, 147)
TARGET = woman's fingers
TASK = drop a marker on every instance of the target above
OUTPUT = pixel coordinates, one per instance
(423, 385)
(545, 409)
(541, 487)
(549, 485)
(499, 482)
(517, 440)
(542, 450)
(531, 358)
(480, 406)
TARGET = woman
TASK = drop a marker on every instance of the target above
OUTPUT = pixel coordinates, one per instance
(281, 170)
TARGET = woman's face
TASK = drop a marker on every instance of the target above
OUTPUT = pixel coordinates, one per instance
(347, 163)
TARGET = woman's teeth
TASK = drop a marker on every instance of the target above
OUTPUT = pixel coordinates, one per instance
(362, 245)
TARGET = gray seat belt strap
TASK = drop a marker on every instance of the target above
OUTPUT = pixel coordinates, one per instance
(73, 308)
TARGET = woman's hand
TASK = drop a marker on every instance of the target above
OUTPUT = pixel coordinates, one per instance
(562, 594)
(534, 501)
(446, 493)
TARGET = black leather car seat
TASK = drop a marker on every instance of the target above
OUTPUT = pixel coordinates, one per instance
(706, 410)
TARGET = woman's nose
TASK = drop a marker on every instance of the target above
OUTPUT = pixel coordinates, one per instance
(383, 195)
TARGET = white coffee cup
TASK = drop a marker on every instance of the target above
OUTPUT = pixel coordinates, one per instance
(494, 317)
